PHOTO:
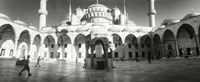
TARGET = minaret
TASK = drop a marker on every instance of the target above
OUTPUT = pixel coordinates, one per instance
(70, 11)
(152, 13)
(43, 13)
(125, 8)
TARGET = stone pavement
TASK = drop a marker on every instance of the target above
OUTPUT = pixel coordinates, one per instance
(172, 70)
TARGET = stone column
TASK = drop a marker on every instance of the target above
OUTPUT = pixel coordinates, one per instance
(15, 54)
(197, 43)
(163, 49)
(177, 48)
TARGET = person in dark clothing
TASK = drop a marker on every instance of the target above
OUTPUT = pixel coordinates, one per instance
(149, 58)
(26, 67)
(38, 62)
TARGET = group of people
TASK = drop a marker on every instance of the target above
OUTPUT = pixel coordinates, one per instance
(135, 59)
(26, 65)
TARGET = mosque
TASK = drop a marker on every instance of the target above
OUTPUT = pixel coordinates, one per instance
(98, 33)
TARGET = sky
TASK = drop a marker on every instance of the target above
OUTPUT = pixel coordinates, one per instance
(27, 10)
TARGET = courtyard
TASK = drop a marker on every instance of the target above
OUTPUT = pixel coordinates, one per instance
(164, 70)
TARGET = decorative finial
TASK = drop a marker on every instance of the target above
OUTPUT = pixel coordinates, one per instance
(17, 18)
(31, 24)
(192, 11)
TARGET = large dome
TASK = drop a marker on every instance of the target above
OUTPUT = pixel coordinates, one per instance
(97, 5)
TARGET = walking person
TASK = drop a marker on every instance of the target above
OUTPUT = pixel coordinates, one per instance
(38, 62)
(26, 67)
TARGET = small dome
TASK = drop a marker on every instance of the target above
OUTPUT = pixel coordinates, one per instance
(130, 22)
(82, 29)
(129, 29)
(4, 16)
(144, 29)
(190, 15)
(32, 27)
(20, 22)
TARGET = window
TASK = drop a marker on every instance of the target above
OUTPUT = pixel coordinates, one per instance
(79, 45)
(129, 45)
(142, 45)
(136, 45)
(58, 55)
(116, 54)
(136, 54)
(79, 55)
(143, 54)
(115, 45)
(148, 45)
(130, 54)
(58, 45)
(65, 45)
(11, 53)
(2, 52)
(52, 55)
(46, 45)
(65, 54)
(52, 45)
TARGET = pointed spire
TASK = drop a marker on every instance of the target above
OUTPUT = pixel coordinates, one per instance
(70, 10)
(125, 8)
(17, 18)
(192, 11)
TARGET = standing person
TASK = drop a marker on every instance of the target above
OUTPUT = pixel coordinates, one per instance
(26, 67)
(149, 58)
(38, 62)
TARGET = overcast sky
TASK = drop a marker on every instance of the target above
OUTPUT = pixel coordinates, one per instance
(27, 10)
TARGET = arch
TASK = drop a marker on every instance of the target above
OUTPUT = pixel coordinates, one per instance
(7, 48)
(49, 39)
(80, 38)
(186, 38)
(7, 33)
(7, 26)
(117, 39)
(146, 40)
(130, 39)
(37, 40)
(64, 39)
(169, 43)
(24, 37)
(157, 46)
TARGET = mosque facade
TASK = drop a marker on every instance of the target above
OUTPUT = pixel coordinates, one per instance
(98, 33)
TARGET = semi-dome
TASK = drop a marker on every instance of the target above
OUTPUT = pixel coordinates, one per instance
(20, 22)
(4, 16)
(115, 28)
(97, 29)
(130, 29)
